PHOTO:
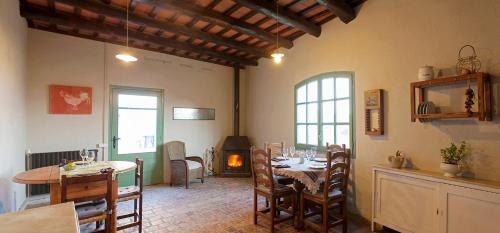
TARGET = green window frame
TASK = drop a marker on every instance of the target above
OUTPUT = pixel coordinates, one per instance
(316, 103)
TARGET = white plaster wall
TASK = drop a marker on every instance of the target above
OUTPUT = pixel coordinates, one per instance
(59, 59)
(385, 45)
(13, 35)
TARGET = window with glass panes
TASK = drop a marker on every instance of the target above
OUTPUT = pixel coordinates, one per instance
(324, 111)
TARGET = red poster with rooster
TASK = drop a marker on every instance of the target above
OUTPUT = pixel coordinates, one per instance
(70, 100)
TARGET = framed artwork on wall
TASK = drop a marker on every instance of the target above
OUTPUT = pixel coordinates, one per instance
(193, 113)
(70, 100)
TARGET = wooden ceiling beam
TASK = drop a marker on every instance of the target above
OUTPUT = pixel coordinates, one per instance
(193, 10)
(114, 41)
(116, 12)
(232, 9)
(292, 3)
(284, 16)
(340, 8)
(76, 22)
(213, 4)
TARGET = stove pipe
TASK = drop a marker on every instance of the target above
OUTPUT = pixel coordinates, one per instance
(236, 97)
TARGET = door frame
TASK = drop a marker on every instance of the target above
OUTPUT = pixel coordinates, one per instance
(160, 121)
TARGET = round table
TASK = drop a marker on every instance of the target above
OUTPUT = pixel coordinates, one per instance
(51, 176)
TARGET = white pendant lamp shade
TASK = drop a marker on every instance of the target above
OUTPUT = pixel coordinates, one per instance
(126, 57)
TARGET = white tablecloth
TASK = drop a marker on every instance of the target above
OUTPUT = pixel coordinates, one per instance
(310, 178)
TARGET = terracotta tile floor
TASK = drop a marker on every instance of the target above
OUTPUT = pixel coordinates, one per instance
(218, 205)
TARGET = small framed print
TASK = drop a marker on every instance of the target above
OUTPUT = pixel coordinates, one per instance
(373, 99)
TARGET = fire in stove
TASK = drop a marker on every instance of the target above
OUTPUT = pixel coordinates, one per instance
(234, 160)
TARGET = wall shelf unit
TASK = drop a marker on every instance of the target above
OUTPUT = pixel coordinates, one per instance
(481, 80)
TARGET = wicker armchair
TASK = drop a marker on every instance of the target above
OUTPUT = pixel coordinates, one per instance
(187, 168)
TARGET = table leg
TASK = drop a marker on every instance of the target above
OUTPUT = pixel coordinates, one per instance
(113, 205)
(299, 222)
(55, 193)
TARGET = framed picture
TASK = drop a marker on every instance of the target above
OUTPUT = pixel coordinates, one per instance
(372, 99)
(70, 100)
(193, 113)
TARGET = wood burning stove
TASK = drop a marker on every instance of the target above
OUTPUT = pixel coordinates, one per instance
(236, 157)
(236, 149)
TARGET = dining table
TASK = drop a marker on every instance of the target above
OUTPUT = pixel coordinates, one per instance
(51, 175)
(308, 174)
(60, 218)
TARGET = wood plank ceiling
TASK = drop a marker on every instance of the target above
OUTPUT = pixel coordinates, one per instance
(225, 32)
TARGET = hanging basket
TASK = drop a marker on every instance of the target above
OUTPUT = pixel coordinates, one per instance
(468, 64)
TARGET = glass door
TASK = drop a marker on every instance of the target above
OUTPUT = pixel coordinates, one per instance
(136, 131)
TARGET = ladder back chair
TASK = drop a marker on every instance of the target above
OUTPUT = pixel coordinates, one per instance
(92, 196)
(333, 194)
(264, 185)
(134, 193)
(277, 149)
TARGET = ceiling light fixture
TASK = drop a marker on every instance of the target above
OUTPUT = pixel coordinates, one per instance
(126, 57)
(277, 55)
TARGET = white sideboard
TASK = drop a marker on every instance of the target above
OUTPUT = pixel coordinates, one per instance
(417, 201)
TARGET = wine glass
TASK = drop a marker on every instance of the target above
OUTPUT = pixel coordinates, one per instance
(313, 153)
(285, 153)
(308, 154)
(83, 155)
(292, 151)
(91, 156)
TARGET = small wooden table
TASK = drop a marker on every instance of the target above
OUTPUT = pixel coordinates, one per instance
(51, 176)
(60, 218)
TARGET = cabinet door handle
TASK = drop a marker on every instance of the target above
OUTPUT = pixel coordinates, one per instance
(437, 211)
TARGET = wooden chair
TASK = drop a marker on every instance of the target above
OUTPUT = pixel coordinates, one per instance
(333, 194)
(182, 166)
(277, 149)
(335, 147)
(265, 186)
(134, 193)
(92, 196)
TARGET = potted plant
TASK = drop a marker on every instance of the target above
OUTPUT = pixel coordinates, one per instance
(450, 158)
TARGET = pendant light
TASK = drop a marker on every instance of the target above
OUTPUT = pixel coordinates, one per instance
(277, 55)
(126, 57)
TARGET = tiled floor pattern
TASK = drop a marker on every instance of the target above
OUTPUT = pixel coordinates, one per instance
(219, 205)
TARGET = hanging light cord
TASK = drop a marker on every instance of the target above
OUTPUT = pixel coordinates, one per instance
(277, 26)
(127, 25)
